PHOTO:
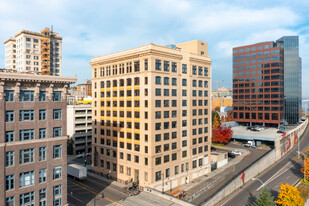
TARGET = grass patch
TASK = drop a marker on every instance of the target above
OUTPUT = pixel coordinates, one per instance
(303, 189)
(218, 144)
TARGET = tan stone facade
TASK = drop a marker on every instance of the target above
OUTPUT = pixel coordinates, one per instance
(151, 122)
(33, 131)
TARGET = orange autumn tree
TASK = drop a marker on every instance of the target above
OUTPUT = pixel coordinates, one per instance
(305, 168)
(289, 196)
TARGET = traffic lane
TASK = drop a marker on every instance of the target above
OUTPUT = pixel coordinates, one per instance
(280, 175)
(247, 160)
(113, 192)
(80, 195)
(241, 195)
(95, 186)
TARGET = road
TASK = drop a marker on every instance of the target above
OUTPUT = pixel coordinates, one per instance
(83, 192)
(227, 176)
(286, 170)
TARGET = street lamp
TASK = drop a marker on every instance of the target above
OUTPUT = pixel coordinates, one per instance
(304, 164)
(253, 178)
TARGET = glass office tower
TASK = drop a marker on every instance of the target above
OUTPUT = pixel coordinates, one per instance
(292, 78)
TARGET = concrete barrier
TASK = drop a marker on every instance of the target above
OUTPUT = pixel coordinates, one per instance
(257, 167)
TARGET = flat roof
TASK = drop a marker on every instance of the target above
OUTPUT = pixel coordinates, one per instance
(269, 134)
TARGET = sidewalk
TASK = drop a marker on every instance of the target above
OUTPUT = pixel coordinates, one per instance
(209, 179)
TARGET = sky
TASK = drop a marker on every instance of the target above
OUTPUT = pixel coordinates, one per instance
(95, 28)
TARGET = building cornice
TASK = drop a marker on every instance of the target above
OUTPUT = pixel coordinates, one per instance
(15, 77)
(36, 34)
(9, 39)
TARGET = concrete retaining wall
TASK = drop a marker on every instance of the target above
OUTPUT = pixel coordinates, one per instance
(259, 166)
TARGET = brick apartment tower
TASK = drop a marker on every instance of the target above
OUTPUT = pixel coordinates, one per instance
(33, 139)
(151, 122)
(267, 82)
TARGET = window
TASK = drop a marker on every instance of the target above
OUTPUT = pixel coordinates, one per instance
(158, 175)
(184, 82)
(27, 199)
(25, 135)
(9, 136)
(184, 68)
(158, 92)
(26, 156)
(57, 132)
(9, 159)
(42, 197)
(193, 70)
(174, 81)
(57, 195)
(57, 113)
(10, 201)
(9, 116)
(26, 179)
(174, 67)
(9, 95)
(10, 182)
(166, 81)
(57, 96)
(158, 80)
(158, 65)
(26, 96)
(42, 153)
(57, 172)
(42, 133)
(57, 151)
(42, 114)
(42, 175)
(166, 66)
(176, 170)
(158, 160)
(205, 71)
(26, 115)
(42, 96)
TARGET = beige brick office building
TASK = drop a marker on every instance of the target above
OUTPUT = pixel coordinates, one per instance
(33, 139)
(151, 114)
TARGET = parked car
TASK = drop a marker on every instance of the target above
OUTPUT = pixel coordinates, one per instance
(82, 155)
(236, 152)
(231, 155)
(133, 191)
(213, 149)
(280, 131)
(249, 144)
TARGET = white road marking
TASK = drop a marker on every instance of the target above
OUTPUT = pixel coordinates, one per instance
(277, 174)
(77, 198)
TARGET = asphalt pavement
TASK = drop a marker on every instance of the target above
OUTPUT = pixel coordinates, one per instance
(286, 170)
(229, 173)
(90, 190)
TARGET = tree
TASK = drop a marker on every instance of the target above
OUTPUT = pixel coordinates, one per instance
(222, 134)
(215, 117)
(289, 195)
(305, 168)
(264, 199)
(217, 109)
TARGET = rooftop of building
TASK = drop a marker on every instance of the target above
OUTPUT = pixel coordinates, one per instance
(269, 134)
(55, 35)
(145, 48)
(32, 76)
